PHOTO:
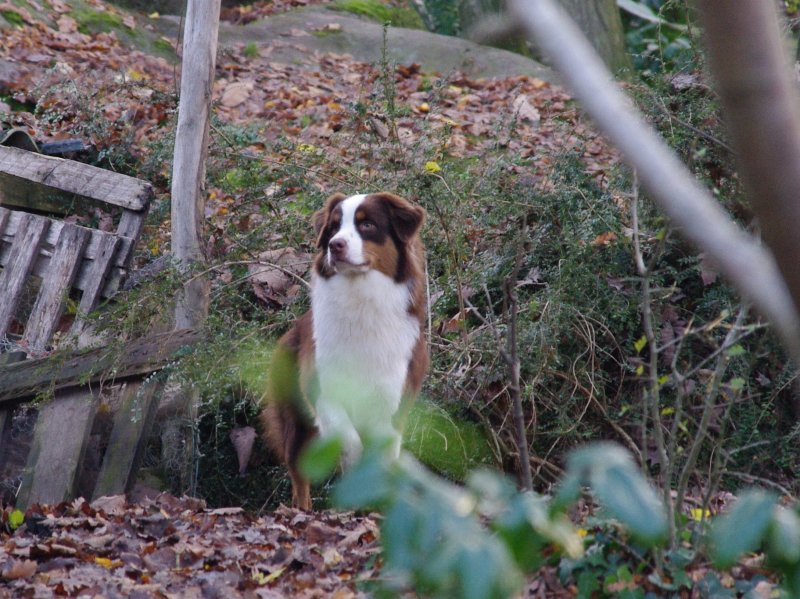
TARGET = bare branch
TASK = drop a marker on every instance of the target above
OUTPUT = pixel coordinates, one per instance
(691, 208)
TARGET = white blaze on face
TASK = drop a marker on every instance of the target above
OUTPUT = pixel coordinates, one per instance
(349, 233)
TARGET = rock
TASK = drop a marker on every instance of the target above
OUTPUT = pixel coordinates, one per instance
(341, 33)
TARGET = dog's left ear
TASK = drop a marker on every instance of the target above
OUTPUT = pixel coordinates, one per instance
(407, 218)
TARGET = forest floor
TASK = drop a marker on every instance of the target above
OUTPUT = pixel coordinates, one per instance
(169, 547)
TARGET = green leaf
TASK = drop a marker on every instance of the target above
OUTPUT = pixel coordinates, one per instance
(617, 483)
(15, 519)
(366, 485)
(784, 537)
(639, 344)
(737, 384)
(321, 458)
(743, 528)
(736, 350)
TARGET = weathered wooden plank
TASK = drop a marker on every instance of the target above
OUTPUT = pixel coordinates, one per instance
(12, 357)
(68, 176)
(21, 260)
(125, 447)
(5, 214)
(49, 304)
(129, 228)
(97, 273)
(69, 368)
(5, 424)
(53, 234)
(60, 436)
(93, 251)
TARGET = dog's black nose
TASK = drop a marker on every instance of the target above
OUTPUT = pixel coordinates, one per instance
(338, 247)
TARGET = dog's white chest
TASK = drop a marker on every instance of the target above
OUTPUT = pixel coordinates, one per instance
(364, 338)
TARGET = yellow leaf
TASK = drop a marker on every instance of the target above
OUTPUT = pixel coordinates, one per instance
(306, 148)
(640, 370)
(424, 107)
(432, 167)
(154, 15)
(135, 75)
(107, 563)
(261, 579)
(582, 532)
(698, 514)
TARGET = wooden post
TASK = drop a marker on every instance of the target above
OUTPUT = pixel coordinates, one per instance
(188, 207)
(191, 150)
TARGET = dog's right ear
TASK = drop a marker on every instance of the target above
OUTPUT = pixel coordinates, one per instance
(320, 217)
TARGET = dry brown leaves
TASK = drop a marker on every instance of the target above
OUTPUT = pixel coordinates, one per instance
(171, 547)
(241, 15)
(309, 98)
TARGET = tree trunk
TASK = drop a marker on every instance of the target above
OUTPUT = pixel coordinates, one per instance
(599, 20)
(601, 23)
(760, 100)
(761, 105)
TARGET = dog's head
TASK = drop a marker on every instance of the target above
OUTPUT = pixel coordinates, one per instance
(361, 233)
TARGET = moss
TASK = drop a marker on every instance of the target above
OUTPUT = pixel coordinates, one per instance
(93, 21)
(251, 50)
(12, 17)
(164, 46)
(447, 444)
(381, 12)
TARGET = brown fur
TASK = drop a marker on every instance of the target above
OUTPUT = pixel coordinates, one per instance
(288, 416)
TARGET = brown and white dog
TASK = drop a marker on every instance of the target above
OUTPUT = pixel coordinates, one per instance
(354, 363)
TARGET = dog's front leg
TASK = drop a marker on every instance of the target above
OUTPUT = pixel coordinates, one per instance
(333, 420)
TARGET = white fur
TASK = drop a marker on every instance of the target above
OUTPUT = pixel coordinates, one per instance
(348, 231)
(364, 338)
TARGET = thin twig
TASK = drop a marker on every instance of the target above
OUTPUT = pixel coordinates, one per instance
(653, 385)
(710, 403)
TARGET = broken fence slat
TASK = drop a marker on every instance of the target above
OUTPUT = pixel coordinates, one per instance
(21, 261)
(68, 369)
(131, 423)
(60, 437)
(93, 251)
(72, 177)
(5, 214)
(96, 279)
(49, 305)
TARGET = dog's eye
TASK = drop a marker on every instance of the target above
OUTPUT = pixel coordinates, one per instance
(366, 225)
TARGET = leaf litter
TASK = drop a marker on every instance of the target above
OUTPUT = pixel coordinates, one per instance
(171, 547)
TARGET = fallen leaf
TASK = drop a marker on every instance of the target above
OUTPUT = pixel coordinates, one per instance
(243, 439)
(18, 569)
(525, 110)
(276, 276)
(237, 93)
(225, 511)
(59, 6)
(604, 238)
(432, 167)
(331, 557)
(67, 24)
